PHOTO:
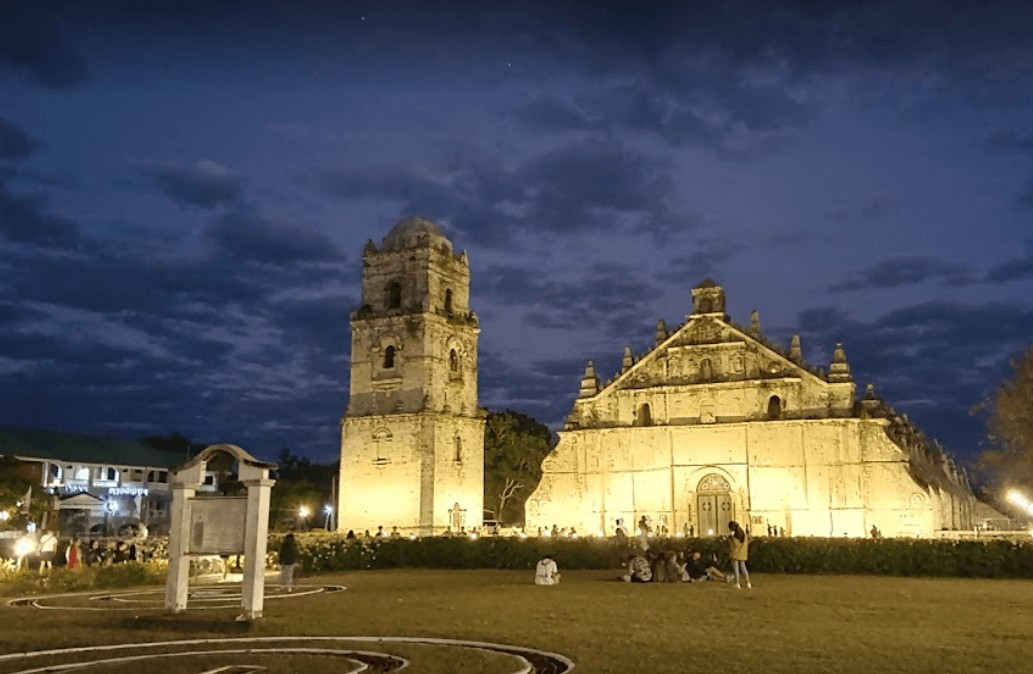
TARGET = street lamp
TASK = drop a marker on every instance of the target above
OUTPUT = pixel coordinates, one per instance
(303, 513)
(109, 512)
(329, 510)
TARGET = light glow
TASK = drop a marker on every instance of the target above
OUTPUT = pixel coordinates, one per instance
(1020, 500)
(24, 546)
(303, 511)
(4, 515)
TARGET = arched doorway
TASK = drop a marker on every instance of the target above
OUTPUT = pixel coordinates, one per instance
(713, 504)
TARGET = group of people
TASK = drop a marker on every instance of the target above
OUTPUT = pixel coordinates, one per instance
(671, 566)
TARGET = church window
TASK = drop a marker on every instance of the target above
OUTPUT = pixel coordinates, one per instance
(448, 301)
(774, 407)
(706, 369)
(389, 357)
(394, 295)
(644, 416)
(458, 457)
(453, 361)
(705, 306)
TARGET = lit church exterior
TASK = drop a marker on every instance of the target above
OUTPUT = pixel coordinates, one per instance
(716, 423)
(412, 445)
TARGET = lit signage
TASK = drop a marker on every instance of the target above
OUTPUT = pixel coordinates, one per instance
(128, 491)
(76, 487)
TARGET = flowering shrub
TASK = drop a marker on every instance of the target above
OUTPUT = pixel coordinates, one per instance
(323, 552)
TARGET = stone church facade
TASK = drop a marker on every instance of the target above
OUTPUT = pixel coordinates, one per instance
(717, 423)
(412, 443)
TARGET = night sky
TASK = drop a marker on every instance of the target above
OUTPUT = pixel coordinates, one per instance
(185, 192)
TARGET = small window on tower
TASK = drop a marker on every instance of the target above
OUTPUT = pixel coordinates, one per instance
(394, 295)
(459, 450)
(774, 407)
(389, 357)
(453, 361)
(448, 301)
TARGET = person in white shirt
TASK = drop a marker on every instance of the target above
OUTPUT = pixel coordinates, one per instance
(546, 573)
(47, 551)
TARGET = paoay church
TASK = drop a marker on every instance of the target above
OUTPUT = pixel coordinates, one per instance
(714, 423)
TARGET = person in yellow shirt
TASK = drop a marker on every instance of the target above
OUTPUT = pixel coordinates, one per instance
(738, 551)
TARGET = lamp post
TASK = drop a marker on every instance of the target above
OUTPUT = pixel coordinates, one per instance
(329, 510)
(303, 513)
(109, 513)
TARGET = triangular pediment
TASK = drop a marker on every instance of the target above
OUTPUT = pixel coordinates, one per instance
(691, 355)
(82, 499)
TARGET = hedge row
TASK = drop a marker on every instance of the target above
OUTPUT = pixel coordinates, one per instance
(15, 582)
(320, 552)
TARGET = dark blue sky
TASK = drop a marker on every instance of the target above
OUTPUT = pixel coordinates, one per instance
(185, 189)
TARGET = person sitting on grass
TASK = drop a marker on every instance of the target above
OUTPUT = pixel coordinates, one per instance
(546, 572)
(700, 571)
(638, 570)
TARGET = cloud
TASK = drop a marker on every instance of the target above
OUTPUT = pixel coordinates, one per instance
(1010, 139)
(243, 236)
(708, 259)
(1016, 269)
(14, 143)
(32, 47)
(206, 184)
(1026, 196)
(589, 184)
(550, 114)
(23, 220)
(904, 270)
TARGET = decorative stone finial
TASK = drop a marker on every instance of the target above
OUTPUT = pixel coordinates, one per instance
(661, 331)
(589, 382)
(755, 323)
(839, 369)
(628, 360)
(708, 298)
(870, 402)
(795, 352)
(369, 248)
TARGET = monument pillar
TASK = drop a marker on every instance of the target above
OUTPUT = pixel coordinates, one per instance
(256, 533)
(177, 582)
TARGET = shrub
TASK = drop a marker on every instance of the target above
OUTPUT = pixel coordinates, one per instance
(895, 557)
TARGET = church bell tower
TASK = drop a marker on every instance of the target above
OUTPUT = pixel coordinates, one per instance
(412, 445)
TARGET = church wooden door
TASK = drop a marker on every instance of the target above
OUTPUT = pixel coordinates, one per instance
(714, 505)
(715, 511)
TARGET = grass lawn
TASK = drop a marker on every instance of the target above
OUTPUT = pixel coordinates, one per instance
(785, 624)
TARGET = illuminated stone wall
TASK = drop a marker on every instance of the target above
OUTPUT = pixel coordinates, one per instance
(716, 423)
(412, 447)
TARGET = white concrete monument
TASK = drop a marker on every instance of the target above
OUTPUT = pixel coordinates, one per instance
(220, 525)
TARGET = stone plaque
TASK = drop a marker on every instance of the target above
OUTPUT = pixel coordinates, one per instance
(217, 525)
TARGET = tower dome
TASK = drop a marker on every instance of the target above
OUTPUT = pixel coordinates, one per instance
(415, 232)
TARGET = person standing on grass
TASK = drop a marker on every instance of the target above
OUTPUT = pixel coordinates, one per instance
(47, 551)
(546, 572)
(288, 558)
(73, 555)
(738, 551)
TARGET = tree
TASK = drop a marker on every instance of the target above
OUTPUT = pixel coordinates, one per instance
(299, 482)
(1009, 457)
(514, 447)
(17, 480)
